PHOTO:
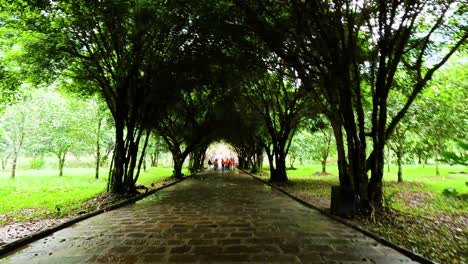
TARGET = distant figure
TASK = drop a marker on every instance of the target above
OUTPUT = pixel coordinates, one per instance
(209, 164)
(215, 163)
(228, 164)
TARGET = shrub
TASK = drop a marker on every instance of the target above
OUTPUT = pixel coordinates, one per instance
(450, 192)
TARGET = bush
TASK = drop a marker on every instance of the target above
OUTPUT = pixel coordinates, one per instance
(450, 192)
(37, 164)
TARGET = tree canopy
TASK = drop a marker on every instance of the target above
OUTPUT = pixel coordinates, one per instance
(249, 72)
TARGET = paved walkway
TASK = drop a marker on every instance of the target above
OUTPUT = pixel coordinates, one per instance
(209, 218)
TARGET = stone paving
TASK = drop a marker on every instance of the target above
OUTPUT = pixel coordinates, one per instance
(209, 218)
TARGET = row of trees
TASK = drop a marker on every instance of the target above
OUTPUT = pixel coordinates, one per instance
(43, 121)
(250, 72)
(352, 57)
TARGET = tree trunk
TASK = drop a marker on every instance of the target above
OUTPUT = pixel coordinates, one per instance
(178, 163)
(375, 191)
(260, 162)
(61, 163)
(389, 158)
(270, 161)
(197, 158)
(191, 162)
(131, 158)
(13, 165)
(98, 148)
(254, 169)
(98, 165)
(326, 151)
(142, 157)
(154, 158)
(345, 180)
(279, 174)
(15, 156)
(118, 162)
(400, 171)
(201, 161)
(436, 160)
(4, 163)
(240, 158)
(292, 159)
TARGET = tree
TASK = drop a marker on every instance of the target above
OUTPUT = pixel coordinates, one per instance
(63, 126)
(4, 153)
(398, 143)
(347, 55)
(188, 126)
(101, 126)
(322, 140)
(156, 146)
(16, 126)
(10, 49)
(280, 101)
(301, 147)
(125, 49)
(442, 109)
(246, 132)
(457, 158)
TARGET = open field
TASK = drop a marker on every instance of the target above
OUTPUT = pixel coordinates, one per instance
(39, 194)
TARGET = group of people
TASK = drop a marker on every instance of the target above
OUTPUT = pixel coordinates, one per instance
(226, 164)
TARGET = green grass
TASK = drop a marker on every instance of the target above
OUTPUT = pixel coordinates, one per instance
(36, 194)
(420, 193)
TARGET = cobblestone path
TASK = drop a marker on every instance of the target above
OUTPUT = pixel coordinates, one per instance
(209, 218)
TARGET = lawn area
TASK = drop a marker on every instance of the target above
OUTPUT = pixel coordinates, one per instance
(38, 194)
(420, 193)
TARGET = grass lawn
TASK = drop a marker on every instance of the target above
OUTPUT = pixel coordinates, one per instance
(420, 193)
(37, 194)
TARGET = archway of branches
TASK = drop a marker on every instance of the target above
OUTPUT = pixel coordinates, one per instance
(247, 72)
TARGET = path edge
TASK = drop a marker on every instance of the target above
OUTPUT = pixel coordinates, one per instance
(411, 254)
(9, 247)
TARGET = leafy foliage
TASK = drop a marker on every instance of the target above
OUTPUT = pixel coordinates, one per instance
(455, 158)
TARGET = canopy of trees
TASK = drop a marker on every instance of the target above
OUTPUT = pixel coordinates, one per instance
(361, 75)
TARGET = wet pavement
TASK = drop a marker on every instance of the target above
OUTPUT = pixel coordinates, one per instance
(209, 218)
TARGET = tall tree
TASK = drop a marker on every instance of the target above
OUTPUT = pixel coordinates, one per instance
(125, 48)
(156, 146)
(441, 114)
(280, 101)
(62, 126)
(347, 54)
(99, 143)
(188, 126)
(322, 140)
(16, 126)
